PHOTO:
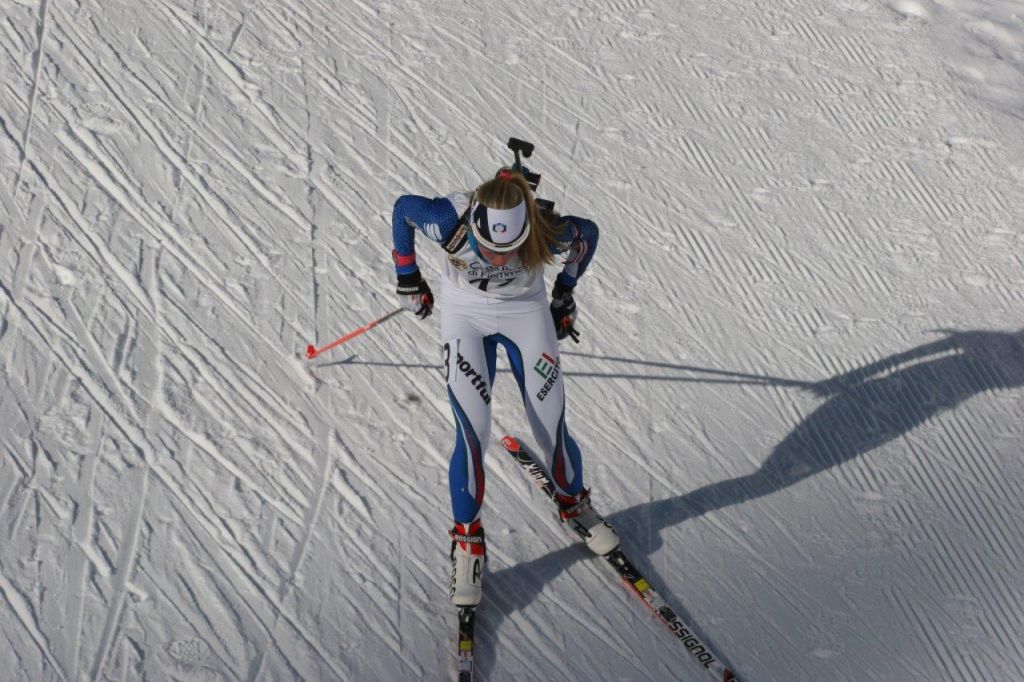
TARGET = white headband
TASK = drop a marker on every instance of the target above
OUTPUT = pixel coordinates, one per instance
(500, 229)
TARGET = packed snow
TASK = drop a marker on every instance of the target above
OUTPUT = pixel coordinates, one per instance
(799, 389)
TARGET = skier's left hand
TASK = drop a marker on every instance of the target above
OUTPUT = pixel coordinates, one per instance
(563, 312)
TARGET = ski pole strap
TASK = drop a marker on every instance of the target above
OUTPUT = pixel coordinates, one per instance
(409, 284)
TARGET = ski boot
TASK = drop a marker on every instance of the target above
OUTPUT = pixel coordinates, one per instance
(469, 553)
(587, 523)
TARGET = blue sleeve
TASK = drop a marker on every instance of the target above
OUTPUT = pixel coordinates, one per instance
(435, 218)
(581, 236)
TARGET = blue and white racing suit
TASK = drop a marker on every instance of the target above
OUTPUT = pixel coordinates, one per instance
(483, 306)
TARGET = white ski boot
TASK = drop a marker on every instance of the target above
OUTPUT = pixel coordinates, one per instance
(588, 524)
(469, 553)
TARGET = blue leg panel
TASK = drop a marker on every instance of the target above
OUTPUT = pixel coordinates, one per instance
(467, 493)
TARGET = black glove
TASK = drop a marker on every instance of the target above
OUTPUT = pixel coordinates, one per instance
(414, 295)
(563, 312)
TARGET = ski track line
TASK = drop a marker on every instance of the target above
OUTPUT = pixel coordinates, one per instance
(97, 249)
(47, 341)
(150, 277)
(43, 443)
(203, 595)
(769, 247)
(233, 394)
(315, 282)
(322, 446)
(181, 165)
(855, 50)
(362, 561)
(137, 438)
(215, 545)
(843, 234)
(273, 120)
(980, 464)
(115, 184)
(976, 465)
(12, 483)
(244, 599)
(23, 497)
(282, 146)
(810, 602)
(289, 494)
(127, 556)
(196, 617)
(81, 537)
(203, 504)
(907, 185)
(949, 660)
(8, 208)
(347, 493)
(539, 644)
(265, 593)
(107, 379)
(963, 570)
(352, 465)
(77, 332)
(241, 377)
(205, 280)
(17, 477)
(357, 157)
(194, 111)
(525, 27)
(25, 614)
(960, 571)
(450, 99)
(39, 58)
(30, 241)
(967, 512)
(211, 449)
(396, 152)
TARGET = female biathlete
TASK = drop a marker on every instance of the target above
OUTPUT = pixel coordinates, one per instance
(497, 241)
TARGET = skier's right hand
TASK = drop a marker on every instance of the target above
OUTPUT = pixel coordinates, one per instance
(414, 295)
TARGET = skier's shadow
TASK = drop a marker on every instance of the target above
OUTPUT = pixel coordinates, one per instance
(864, 409)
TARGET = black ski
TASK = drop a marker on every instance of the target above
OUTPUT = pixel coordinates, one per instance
(467, 616)
(629, 574)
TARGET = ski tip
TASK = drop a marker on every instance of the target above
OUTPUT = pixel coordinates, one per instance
(310, 351)
(510, 444)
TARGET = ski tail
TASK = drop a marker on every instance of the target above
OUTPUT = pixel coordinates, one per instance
(630, 575)
(467, 619)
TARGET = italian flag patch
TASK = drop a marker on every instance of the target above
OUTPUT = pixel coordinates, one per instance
(544, 365)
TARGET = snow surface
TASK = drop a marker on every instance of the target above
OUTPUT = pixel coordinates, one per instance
(799, 387)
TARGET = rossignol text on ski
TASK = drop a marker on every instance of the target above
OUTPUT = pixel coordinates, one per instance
(632, 577)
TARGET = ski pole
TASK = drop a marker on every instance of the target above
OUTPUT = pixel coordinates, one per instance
(312, 351)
